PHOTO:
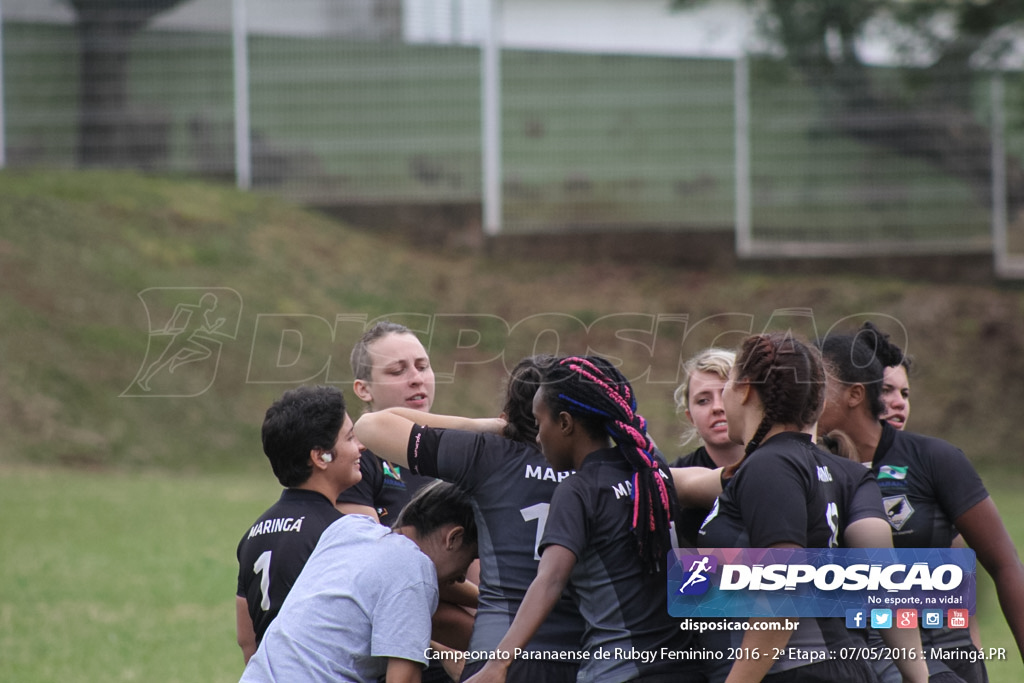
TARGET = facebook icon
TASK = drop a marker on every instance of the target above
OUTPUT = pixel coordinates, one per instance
(855, 618)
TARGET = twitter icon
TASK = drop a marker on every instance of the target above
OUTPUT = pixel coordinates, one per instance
(881, 618)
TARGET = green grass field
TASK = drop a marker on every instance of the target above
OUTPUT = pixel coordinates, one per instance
(111, 577)
(115, 577)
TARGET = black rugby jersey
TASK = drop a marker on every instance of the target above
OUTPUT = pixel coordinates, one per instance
(275, 549)
(778, 495)
(385, 487)
(697, 458)
(790, 491)
(510, 484)
(625, 608)
(926, 484)
(857, 493)
(690, 518)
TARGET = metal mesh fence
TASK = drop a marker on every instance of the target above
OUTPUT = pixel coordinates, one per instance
(40, 90)
(616, 142)
(177, 98)
(379, 101)
(356, 114)
(882, 170)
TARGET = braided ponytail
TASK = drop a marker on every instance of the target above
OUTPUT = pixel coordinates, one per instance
(594, 392)
(788, 377)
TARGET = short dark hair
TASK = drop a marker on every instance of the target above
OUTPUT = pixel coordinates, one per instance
(303, 419)
(438, 504)
(362, 366)
(861, 357)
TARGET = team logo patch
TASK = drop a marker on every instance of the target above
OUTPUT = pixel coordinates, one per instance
(696, 580)
(892, 472)
(898, 509)
(392, 471)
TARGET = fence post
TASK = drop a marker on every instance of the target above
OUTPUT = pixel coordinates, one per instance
(490, 95)
(3, 103)
(1006, 265)
(240, 51)
(741, 99)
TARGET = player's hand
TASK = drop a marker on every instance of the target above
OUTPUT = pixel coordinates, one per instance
(453, 667)
(494, 671)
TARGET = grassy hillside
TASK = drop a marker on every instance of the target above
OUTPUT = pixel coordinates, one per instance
(92, 266)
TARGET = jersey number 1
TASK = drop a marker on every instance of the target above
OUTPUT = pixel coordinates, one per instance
(262, 567)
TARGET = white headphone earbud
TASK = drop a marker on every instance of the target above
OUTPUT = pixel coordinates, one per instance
(326, 457)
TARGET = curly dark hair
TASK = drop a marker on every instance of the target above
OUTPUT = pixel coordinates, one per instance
(861, 357)
(523, 382)
(303, 419)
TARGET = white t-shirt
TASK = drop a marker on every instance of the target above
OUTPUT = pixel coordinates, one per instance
(365, 594)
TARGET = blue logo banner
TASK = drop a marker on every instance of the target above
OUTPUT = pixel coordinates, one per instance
(818, 582)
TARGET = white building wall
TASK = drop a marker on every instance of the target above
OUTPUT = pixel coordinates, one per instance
(719, 29)
(723, 28)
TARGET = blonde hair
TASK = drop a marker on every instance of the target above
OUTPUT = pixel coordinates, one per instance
(714, 360)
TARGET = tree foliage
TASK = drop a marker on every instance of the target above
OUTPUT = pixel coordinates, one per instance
(943, 47)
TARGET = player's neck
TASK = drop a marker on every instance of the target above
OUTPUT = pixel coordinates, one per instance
(585, 447)
(322, 486)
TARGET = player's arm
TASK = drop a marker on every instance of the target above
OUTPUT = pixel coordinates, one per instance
(765, 642)
(464, 593)
(556, 563)
(452, 665)
(244, 629)
(697, 486)
(984, 531)
(972, 627)
(386, 432)
(403, 671)
(874, 532)
(355, 509)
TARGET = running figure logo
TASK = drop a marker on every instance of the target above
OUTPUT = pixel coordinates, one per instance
(698, 567)
(187, 329)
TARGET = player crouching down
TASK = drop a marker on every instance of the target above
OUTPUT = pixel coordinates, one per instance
(361, 607)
